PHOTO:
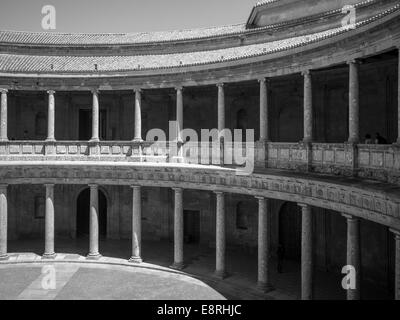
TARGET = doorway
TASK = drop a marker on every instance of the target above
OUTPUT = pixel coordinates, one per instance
(191, 221)
(290, 231)
(82, 214)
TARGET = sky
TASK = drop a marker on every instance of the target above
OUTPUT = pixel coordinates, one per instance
(99, 16)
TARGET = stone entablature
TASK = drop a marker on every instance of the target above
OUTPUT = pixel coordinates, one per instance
(371, 201)
(378, 162)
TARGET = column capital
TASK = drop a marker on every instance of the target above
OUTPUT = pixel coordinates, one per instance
(220, 85)
(137, 90)
(306, 72)
(179, 88)
(93, 185)
(95, 91)
(3, 186)
(303, 205)
(3, 90)
(49, 185)
(396, 233)
(353, 61)
(178, 190)
(219, 193)
(51, 92)
(136, 187)
(264, 79)
(260, 198)
(350, 217)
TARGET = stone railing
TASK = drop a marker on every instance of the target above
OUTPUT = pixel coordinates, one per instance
(378, 162)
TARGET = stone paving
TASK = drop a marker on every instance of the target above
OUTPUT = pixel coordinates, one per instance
(84, 282)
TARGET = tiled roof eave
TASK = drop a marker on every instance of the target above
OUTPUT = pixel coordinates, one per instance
(289, 50)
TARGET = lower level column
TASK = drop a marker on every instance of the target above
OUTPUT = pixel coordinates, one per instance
(178, 230)
(263, 282)
(3, 222)
(49, 223)
(136, 225)
(220, 270)
(353, 254)
(94, 223)
(307, 263)
(397, 264)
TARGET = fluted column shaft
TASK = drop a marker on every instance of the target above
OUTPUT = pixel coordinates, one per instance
(3, 221)
(308, 110)
(307, 263)
(136, 224)
(138, 115)
(94, 222)
(51, 116)
(3, 115)
(95, 116)
(354, 116)
(263, 245)
(220, 268)
(264, 125)
(353, 253)
(178, 229)
(49, 222)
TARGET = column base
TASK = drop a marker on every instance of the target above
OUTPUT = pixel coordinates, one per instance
(93, 256)
(96, 140)
(178, 266)
(50, 140)
(4, 257)
(49, 256)
(4, 140)
(265, 287)
(177, 159)
(220, 274)
(135, 260)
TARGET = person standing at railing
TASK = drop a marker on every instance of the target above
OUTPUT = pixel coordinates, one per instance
(368, 139)
(379, 139)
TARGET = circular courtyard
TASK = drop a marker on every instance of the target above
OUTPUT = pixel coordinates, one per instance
(50, 280)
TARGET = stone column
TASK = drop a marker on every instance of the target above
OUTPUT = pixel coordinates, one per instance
(51, 117)
(138, 115)
(221, 110)
(264, 125)
(95, 116)
(49, 223)
(397, 263)
(353, 102)
(353, 253)
(179, 124)
(3, 222)
(3, 115)
(136, 225)
(308, 110)
(263, 245)
(398, 98)
(178, 230)
(220, 271)
(307, 264)
(94, 222)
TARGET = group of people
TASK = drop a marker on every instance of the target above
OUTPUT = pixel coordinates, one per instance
(378, 139)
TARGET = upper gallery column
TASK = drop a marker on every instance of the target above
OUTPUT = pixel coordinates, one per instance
(353, 253)
(308, 110)
(263, 245)
(49, 222)
(51, 116)
(307, 263)
(221, 111)
(178, 229)
(95, 116)
(398, 97)
(397, 263)
(264, 125)
(220, 270)
(138, 115)
(94, 222)
(354, 109)
(3, 115)
(179, 123)
(3, 222)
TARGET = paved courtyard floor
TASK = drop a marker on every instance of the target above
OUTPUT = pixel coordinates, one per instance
(114, 278)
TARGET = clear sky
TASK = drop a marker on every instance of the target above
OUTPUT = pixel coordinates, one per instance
(124, 15)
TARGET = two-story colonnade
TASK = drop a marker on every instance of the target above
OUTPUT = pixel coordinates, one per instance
(76, 108)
